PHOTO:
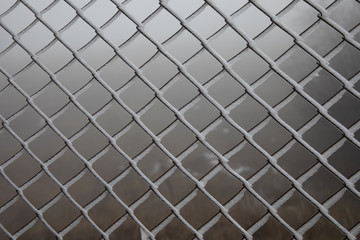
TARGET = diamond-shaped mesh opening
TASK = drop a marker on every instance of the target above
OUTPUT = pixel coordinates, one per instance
(130, 187)
(315, 184)
(85, 189)
(272, 229)
(25, 162)
(55, 64)
(272, 185)
(106, 212)
(155, 163)
(9, 146)
(322, 86)
(248, 113)
(297, 56)
(297, 210)
(224, 186)
(180, 91)
(183, 46)
(110, 157)
(176, 187)
(347, 165)
(51, 99)
(243, 66)
(247, 160)
(323, 229)
(248, 210)
(39, 230)
(225, 89)
(160, 70)
(16, 216)
(84, 229)
(139, 42)
(127, 230)
(199, 210)
(14, 54)
(94, 97)
(10, 19)
(223, 229)
(84, 143)
(223, 136)
(172, 230)
(59, 15)
(66, 166)
(78, 34)
(179, 119)
(9, 192)
(32, 79)
(11, 101)
(322, 135)
(274, 89)
(203, 67)
(152, 211)
(37, 30)
(158, 117)
(297, 160)
(97, 54)
(70, 120)
(251, 20)
(42, 191)
(343, 210)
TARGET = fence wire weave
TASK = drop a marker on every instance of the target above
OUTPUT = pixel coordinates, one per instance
(170, 159)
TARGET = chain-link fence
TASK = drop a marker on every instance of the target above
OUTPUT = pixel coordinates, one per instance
(179, 119)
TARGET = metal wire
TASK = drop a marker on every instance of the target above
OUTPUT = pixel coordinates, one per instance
(348, 133)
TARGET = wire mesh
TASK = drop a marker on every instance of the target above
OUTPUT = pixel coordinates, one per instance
(179, 119)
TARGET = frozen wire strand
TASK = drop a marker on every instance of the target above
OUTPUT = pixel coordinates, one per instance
(163, 224)
(53, 77)
(12, 159)
(12, 7)
(117, 224)
(335, 198)
(6, 232)
(32, 180)
(210, 223)
(309, 224)
(141, 200)
(256, 226)
(72, 225)
(356, 229)
(355, 127)
(9, 203)
(25, 228)
(285, 197)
